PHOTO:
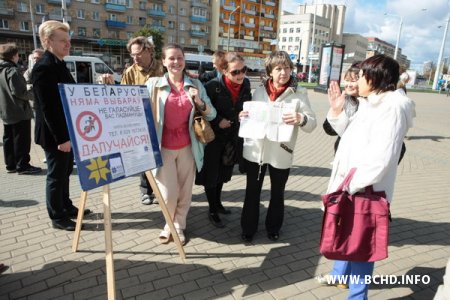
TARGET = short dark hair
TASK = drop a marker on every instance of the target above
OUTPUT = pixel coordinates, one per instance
(382, 72)
(7, 51)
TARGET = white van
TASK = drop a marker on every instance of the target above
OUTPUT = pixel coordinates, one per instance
(86, 69)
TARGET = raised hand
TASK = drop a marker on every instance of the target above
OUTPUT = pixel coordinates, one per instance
(336, 98)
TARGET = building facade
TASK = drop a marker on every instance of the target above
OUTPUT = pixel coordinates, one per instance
(302, 34)
(103, 27)
(248, 27)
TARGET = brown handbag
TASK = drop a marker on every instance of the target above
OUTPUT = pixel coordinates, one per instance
(202, 128)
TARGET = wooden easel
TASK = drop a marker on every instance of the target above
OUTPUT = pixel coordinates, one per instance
(110, 278)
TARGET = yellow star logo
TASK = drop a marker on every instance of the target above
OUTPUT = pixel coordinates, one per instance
(98, 169)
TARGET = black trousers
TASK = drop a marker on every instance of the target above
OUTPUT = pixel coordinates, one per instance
(275, 212)
(145, 186)
(213, 194)
(59, 168)
(17, 145)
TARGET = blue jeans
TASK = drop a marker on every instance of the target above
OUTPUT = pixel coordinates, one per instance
(358, 290)
(59, 168)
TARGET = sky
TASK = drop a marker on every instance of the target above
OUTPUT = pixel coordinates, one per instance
(423, 27)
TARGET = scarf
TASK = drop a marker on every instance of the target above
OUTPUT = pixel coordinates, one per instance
(273, 92)
(233, 88)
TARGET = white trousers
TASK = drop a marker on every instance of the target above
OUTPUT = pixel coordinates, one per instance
(175, 180)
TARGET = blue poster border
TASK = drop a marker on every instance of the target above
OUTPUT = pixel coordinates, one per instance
(102, 163)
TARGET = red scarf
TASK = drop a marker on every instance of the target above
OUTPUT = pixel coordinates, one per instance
(273, 92)
(233, 88)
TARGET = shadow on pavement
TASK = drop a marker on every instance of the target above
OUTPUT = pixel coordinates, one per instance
(18, 203)
(434, 138)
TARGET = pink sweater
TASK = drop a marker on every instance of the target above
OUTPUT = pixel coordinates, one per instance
(176, 120)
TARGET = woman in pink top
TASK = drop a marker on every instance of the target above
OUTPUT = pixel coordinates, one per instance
(181, 152)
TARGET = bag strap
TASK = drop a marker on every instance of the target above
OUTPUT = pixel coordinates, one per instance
(347, 180)
(155, 106)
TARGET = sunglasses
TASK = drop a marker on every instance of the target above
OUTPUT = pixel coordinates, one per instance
(237, 72)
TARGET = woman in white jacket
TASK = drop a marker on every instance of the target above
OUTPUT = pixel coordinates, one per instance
(260, 154)
(371, 142)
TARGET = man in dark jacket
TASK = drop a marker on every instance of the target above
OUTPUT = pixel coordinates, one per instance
(51, 129)
(15, 112)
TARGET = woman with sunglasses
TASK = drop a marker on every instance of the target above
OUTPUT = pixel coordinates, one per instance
(227, 94)
(262, 154)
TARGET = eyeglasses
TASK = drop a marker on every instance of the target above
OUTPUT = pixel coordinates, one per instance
(237, 72)
(139, 54)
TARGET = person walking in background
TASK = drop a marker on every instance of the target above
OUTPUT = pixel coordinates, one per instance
(262, 154)
(371, 142)
(144, 66)
(177, 98)
(351, 95)
(219, 64)
(51, 129)
(33, 58)
(227, 94)
(16, 113)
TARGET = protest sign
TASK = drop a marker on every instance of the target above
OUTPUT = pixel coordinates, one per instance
(111, 131)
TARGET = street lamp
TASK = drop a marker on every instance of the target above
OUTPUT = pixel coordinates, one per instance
(399, 31)
(441, 53)
(33, 26)
(229, 25)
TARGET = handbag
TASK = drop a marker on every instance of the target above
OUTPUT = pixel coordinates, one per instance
(202, 128)
(355, 227)
(229, 154)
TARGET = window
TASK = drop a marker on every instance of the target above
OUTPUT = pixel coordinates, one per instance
(291, 39)
(95, 1)
(81, 31)
(182, 40)
(157, 6)
(129, 19)
(142, 4)
(24, 26)
(80, 14)
(182, 11)
(182, 26)
(200, 12)
(283, 39)
(113, 34)
(297, 39)
(171, 25)
(194, 42)
(96, 32)
(40, 9)
(142, 21)
(112, 17)
(120, 2)
(130, 35)
(171, 9)
(129, 3)
(297, 30)
(95, 15)
(22, 7)
(284, 30)
(171, 39)
(291, 30)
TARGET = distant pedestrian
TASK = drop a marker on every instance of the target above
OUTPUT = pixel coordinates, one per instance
(219, 64)
(448, 88)
(51, 129)
(15, 112)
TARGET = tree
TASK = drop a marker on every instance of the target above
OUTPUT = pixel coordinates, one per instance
(158, 39)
